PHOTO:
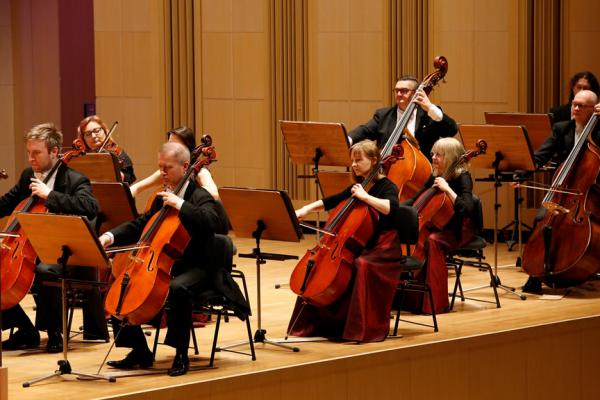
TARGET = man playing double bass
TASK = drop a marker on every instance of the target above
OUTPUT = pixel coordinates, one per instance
(199, 216)
(427, 124)
(559, 144)
(65, 192)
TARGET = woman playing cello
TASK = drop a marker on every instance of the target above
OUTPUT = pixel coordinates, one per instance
(458, 231)
(362, 312)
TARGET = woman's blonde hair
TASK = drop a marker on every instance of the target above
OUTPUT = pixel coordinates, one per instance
(370, 150)
(452, 150)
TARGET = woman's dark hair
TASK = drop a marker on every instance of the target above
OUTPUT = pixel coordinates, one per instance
(587, 75)
(186, 135)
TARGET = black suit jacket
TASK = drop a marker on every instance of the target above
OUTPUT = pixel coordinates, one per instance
(72, 194)
(560, 143)
(427, 131)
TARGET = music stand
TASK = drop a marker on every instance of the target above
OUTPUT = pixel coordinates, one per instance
(317, 143)
(509, 149)
(116, 204)
(261, 214)
(72, 241)
(537, 126)
(98, 167)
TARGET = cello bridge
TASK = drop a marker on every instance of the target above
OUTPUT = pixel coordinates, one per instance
(555, 208)
(136, 259)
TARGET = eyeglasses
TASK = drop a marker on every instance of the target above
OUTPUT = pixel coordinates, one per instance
(94, 131)
(581, 105)
(437, 155)
(403, 91)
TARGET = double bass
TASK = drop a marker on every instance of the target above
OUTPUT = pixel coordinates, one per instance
(563, 249)
(435, 207)
(142, 276)
(414, 169)
(17, 257)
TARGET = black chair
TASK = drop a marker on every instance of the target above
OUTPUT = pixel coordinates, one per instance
(471, 255)
(408, 231)
(224, 299)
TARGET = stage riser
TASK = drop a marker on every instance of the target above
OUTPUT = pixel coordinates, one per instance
(553, 361)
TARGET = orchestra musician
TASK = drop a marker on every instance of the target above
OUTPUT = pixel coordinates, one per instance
(427, 124)
(559, 144)
(362, 313)
(457, 232)
(66, 192)
(93, 131)
(584, 80)
(198, 214)
(186, 137)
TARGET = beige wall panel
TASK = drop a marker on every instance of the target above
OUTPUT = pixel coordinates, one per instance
(109, 64)
(255, 388)
(108, 15)
(139, 64)
(367, 16)
(362, 111)
(492, 16)
(452, 15)
(333, 111)
(252, 143)
(250, 69)
(331, 15)
(5, 15)
(252, 177)
(333, 66)
(218, 122)
(456, 46)
(326, 383)
(9, 137)
(216, 16)
(461, 111)
(388, 370)
(217, 65)
(137, 15)
(367, 72)
(223, 176)
(583, 53)
(250, 15)
(494, 69)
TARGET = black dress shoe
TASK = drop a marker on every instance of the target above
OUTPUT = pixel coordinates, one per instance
(142, 359)
(22, 339)
(181, 364)
(533, 285)
(55, 342)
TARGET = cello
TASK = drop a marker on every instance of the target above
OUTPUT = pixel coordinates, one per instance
(144, 274)
(562, 250)
(435, 207)
(17, 257)
(411, 174)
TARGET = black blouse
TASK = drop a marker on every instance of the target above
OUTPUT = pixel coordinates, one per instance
(382, 189)
(462, 185)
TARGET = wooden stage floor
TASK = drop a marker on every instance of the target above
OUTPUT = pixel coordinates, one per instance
(470, 319)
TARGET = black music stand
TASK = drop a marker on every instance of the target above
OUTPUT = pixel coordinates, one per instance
(317, 143)
(509, 150)
(261, 214)
(537, 127)
(68, 240)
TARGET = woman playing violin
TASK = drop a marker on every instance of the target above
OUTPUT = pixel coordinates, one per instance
(458, 231)
(362, 313)
(93, 131)
(186, 137)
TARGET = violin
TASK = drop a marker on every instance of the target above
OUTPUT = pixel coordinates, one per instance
(411, 174)
(562, 250)
(17, 257)
(109, 145)
(434, 206)
(143, 275)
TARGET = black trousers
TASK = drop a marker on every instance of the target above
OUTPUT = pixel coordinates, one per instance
(183, 290)
(49, 304)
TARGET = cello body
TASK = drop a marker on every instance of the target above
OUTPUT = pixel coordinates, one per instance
(563, 249)
(324, 273)
(408, 168)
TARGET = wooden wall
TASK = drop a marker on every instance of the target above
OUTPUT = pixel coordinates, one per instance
(234, 68)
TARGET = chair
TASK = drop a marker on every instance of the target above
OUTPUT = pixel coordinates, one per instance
(225, 298)
(408, 231)
(471, 255)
